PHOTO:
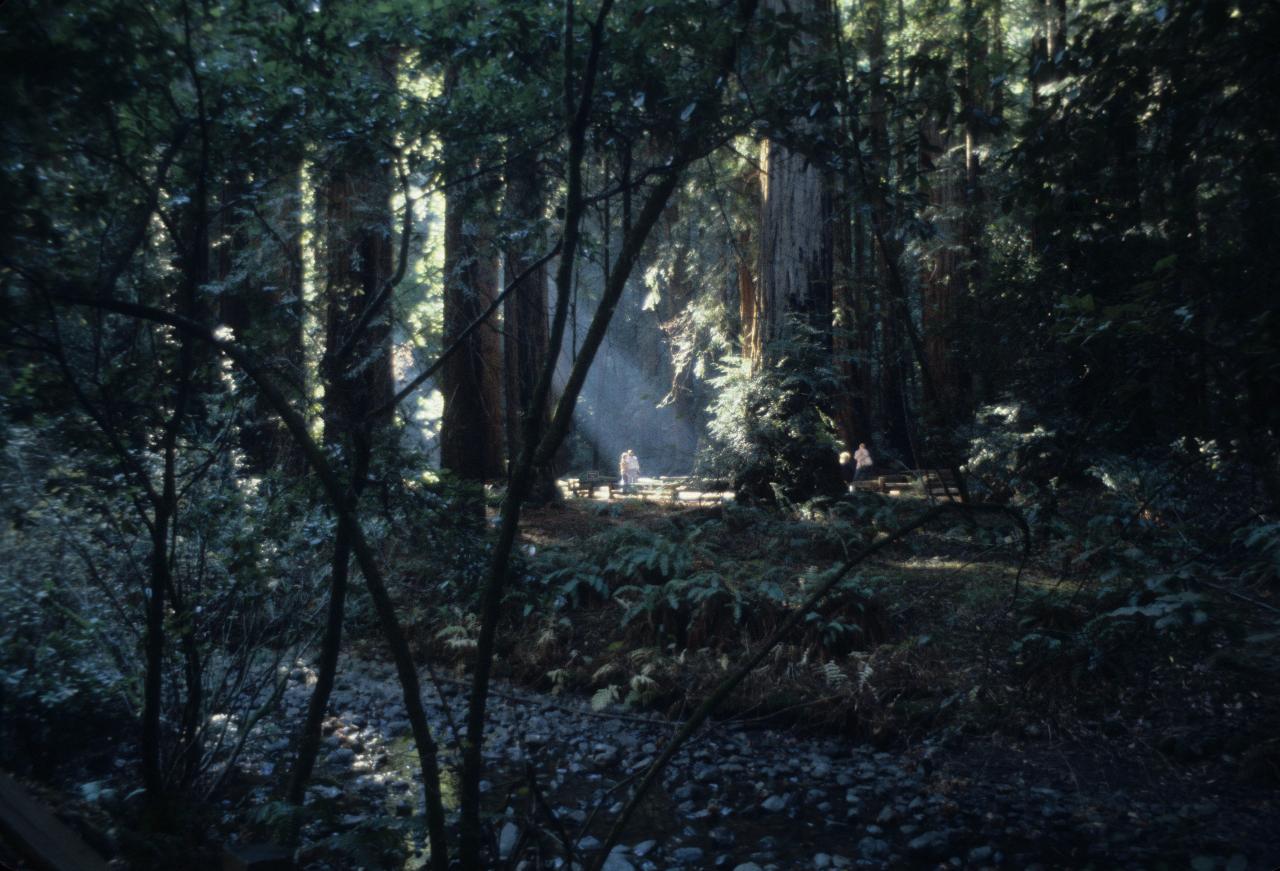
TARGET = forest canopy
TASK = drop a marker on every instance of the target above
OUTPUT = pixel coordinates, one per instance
(310, 307)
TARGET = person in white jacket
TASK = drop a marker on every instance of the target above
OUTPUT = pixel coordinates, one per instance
(629, 468)
(863, 463)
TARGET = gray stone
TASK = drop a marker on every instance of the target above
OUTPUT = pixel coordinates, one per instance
(257, 857)
(774, 803)
(704, 773)
(590, 843)
(722, 835)
(822, 860)
(930, 843)
(615, 862)
(605, 756)
(643, 848)
(507, 839)
(981, 854)
(873, 848)
(747, 866)
(343, 756)
(687, 855)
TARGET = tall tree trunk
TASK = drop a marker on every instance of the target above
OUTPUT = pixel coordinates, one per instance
(357, 234)
(524, 317)
(886, 216)
(471, 432)
(849, 409)
(794, 298)
(750, 189)
(796, 249)
(942, 172)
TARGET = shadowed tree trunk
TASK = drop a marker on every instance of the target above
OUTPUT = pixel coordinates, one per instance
(355, 202)
(892, 311)
(796, 249)
(942, 174)
(793, 300)
(524, 316)
(471, 432)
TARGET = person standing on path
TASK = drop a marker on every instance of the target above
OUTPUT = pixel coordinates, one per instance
(629, 468)
(863, 463)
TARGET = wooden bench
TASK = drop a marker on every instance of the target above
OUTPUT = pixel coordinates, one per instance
(934, 483)
(671, 487)
(585, 485)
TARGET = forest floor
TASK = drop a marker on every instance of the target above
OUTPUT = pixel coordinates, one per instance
(910, 724)
(919, 720)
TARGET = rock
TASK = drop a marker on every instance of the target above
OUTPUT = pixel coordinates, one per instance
(747, 866)
(687, 855)
(643, 848)
(256, 857)
(928, 844)
(605, 756)
(616, 862)
(873, 848)
(590, 844)
(981, 854)
(705, 773)
(774, 803)
(822, 860)
(507, 839)
(343, 756)
(722, 835)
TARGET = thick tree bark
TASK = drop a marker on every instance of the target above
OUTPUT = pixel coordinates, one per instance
(796, 249)
(524, 316)
(749, 188)
(943, 284)
(794, 298)
(357, 236)
(471, 431)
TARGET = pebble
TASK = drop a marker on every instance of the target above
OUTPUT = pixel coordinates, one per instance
(774, 803)
(507, 839)
(928, 844)
(873, 848)
(687, 855)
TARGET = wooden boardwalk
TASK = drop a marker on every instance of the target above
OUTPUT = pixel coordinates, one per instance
(589, 485)
(933, 483)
